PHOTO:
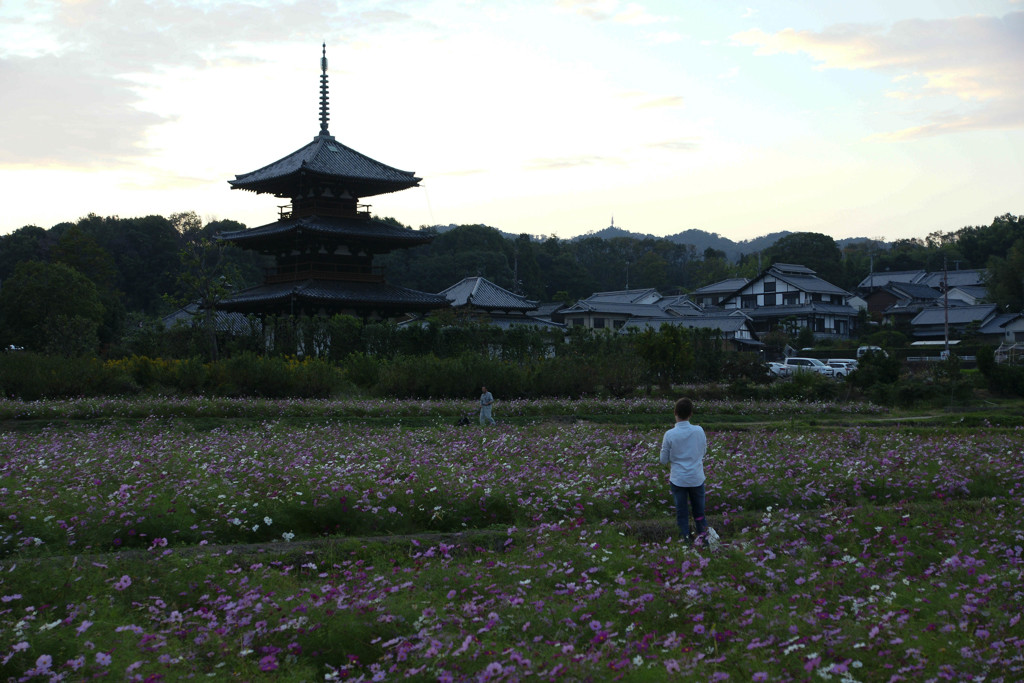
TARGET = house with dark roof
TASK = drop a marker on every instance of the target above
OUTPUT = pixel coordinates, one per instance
(969, 294)
(788, 293)
(479, 297)
(906, 277)
(944, 279)
(900, 301)
(680, 304)
(931, 323)
(1004, 329)
(735, 328)
(604, 315)
(713, 294)
(626, 296)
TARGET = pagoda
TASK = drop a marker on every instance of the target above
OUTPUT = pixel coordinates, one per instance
(324, 241)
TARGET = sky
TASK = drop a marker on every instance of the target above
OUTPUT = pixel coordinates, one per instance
(888, 120)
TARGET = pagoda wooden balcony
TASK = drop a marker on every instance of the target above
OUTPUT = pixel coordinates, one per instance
(316, 271)
(323, 207)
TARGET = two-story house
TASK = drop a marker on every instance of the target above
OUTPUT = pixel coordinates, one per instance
(790, 294)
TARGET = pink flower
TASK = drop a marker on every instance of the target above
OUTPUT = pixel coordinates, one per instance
(268, 663)
(43, 663)
(123, 582)
(103, 659)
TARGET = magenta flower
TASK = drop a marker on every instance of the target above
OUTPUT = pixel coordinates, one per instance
(268, 663)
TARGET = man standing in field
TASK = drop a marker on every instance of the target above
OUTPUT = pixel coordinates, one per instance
(683, 448)
(485, 407)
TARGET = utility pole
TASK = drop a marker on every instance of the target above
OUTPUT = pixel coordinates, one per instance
(945, 289)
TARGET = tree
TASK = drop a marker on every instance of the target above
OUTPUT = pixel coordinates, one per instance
(979, 244)
(1006, 278)
(51, 308)
(814, 250)
(207, 278)
(145, 251)
(30, 243)
(79, 250)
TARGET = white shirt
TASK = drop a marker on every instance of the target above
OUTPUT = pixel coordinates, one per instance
(684, 447)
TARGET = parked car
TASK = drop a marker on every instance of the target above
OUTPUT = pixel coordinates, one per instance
(797, 364)
(842, 366)
(861, 350)
(779, 369)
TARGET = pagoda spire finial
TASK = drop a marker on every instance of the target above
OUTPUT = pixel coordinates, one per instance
(324, 115)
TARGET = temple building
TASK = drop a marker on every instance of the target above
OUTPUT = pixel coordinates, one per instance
(323, 244)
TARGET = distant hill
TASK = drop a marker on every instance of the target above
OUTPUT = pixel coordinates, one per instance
(700, 239)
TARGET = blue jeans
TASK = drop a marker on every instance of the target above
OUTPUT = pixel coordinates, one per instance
(694, 495)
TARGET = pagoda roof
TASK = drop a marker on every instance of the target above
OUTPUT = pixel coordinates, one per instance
(332, 295)
(325, 161)
(370, 230)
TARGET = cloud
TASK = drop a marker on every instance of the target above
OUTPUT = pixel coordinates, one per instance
(976, 60)
(633, 13)
(571, 162)
(77, 100)
(676, 145)
(59, 111)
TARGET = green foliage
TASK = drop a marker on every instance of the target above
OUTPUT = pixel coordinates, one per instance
(50, 307)
(875, 368)
(1006, 277)
(667, 353)
(31, 376)
(816, 251)
(1003, 379)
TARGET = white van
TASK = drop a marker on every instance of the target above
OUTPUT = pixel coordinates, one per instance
(861, 350)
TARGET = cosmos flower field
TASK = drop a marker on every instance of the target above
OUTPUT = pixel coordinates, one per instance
(162, 549)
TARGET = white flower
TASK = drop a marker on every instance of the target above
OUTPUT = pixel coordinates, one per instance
(268, 521)
(287, 535)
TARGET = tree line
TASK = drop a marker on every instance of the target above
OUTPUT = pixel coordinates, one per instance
(89, 286)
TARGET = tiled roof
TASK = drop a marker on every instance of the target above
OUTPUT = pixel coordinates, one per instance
(367, 230)
(680, 305)
(632, 310)
(810, 283)
(508, 321)
(328, 159)
(722, 286)
(483, 294)
(997, 323)
(791, 269)
(914, 291)
(884, 278)
(625, 296)
(955, 278)
(958, 315)
(976, 291)
(333, 294)
(800, 309)
(725, 323)
(191, 314)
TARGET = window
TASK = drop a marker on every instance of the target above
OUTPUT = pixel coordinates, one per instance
(770, 299)
(769, 286)
(598, 323)
(791, 298)
(617, 324)
(748, 301)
